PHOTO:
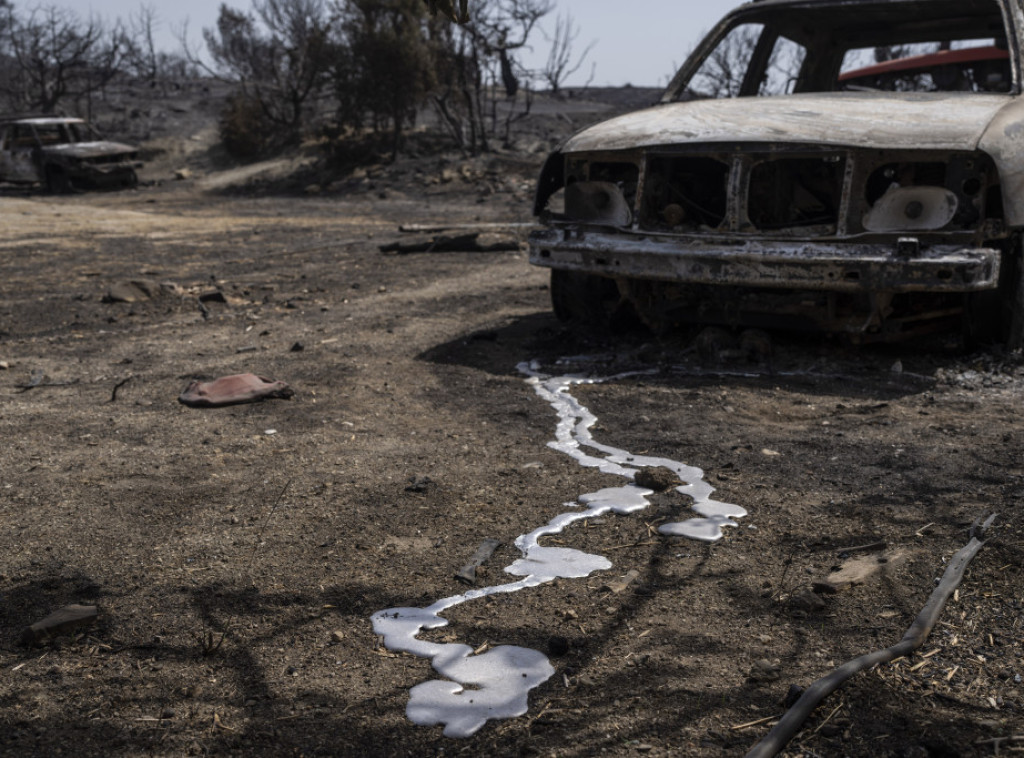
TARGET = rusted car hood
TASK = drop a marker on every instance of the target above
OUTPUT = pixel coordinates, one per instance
(91, 149)
(941, 121)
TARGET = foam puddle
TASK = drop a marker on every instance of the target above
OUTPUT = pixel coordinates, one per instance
(496, 684)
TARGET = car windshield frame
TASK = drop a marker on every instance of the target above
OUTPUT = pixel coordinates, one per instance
(828, 30)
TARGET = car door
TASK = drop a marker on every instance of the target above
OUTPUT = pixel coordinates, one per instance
(17, 154)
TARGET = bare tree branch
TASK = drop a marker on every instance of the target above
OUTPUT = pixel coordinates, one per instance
(560, 65)
(57, 56)
(780, 735)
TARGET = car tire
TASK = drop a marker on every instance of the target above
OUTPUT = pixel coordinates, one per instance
(1013, 304)
(997, 316)
(57, 181)
(589, 303)
(131, 180)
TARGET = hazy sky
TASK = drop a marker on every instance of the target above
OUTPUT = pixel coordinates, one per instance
(636, 41)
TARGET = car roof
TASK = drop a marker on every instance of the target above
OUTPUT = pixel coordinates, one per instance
(760, 4)
(855, 15)
(44, 120)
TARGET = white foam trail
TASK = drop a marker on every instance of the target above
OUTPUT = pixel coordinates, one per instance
(573, 432)
(496, 683)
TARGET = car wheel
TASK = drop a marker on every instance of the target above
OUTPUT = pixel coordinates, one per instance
(57, 181)
(997, 316)
(588, 302)
(1013, 304)
(131, 180)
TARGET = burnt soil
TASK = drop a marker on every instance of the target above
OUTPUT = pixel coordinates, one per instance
(237, 554)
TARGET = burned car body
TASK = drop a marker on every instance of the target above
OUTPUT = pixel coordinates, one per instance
(852, 166)
(63, 153)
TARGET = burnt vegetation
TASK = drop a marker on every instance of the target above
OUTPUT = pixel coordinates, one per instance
(362, 74)
(358, 76)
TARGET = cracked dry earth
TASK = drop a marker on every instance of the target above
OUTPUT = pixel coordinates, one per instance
(237, 555)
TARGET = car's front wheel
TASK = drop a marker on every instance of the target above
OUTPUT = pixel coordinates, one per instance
(587, 302)
(997, 316)
(57, 181)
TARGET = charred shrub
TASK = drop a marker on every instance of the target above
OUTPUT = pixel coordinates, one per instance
(346, 149)
(245, 130)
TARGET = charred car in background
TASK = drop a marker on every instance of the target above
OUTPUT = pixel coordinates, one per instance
(63, 154)
(852, 166)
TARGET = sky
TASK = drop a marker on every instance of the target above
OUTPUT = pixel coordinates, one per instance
(638, 42)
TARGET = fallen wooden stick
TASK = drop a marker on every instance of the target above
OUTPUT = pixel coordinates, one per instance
(435, 228)
(483, 242)
(869, 548)
(780, 735)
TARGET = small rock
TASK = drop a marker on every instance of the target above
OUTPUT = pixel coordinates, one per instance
(182, 174)
(807, 601)
(66, 620)
(132, 291)
(4, 365)
(214, 296)
(618, 585)
(298, 347)
(419, 484)
(658, 478)
(167, 713)
(858, 570)
(764, 671)
(337, 636)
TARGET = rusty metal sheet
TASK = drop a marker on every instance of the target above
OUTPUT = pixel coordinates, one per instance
(832, 266)
(884, 120)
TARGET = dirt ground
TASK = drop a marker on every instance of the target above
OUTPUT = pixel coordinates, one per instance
(236, 555)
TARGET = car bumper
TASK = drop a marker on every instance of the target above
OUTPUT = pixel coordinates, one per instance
(834, 266)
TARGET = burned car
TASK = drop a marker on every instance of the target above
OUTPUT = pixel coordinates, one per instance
(63, 154)
(852, 166)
